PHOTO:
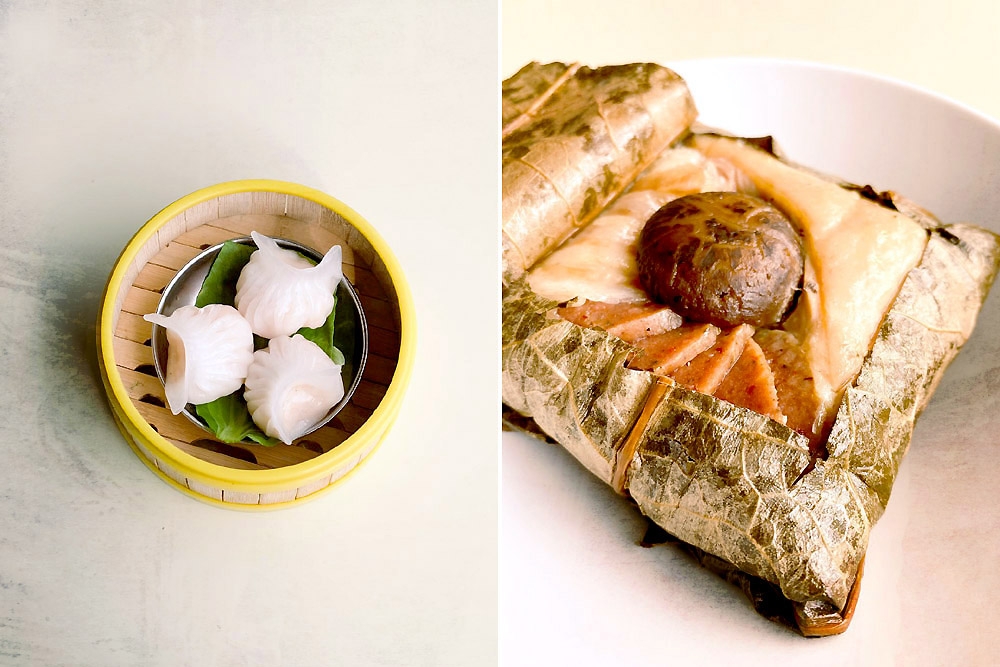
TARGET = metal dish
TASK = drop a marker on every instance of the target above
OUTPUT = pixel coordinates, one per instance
(183, 290)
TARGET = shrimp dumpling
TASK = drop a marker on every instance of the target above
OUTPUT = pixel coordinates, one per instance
(209, 352)
(291, 385)
(279, 291)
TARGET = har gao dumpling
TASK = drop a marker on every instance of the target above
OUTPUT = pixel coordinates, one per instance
(290, 387)
(279, 291)
(209, 351)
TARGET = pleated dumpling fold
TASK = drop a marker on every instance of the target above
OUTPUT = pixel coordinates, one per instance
(279, 291)
(209, 352)
(291, 386)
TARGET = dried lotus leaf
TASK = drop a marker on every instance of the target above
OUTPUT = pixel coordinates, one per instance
(572, 381)
(735, 483)
(527, 90)
(739, 487)
(574, 138)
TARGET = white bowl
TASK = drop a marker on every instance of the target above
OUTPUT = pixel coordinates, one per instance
(576, 586)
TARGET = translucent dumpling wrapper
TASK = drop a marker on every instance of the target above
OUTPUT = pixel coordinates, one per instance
(209, 352)
(279, 291)
(291, 386)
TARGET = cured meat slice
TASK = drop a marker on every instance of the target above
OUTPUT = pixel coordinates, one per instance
(628, 321)
(793, 380)
(706, 372)
(669, 351)
(750, 384)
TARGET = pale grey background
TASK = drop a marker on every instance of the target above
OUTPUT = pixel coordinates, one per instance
(110, 111)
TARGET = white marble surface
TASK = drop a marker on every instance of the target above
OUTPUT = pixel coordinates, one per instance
(576, 587)
(110, 111)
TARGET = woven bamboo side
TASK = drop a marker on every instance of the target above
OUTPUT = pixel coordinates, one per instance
(182, 238)
(247, 497)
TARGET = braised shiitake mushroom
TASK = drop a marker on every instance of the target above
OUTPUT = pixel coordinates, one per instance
(722, 257)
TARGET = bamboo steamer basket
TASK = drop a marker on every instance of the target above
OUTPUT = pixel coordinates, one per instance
(248, 476)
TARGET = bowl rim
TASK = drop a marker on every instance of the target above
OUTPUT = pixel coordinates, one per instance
(272, 479)
(762, 63)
